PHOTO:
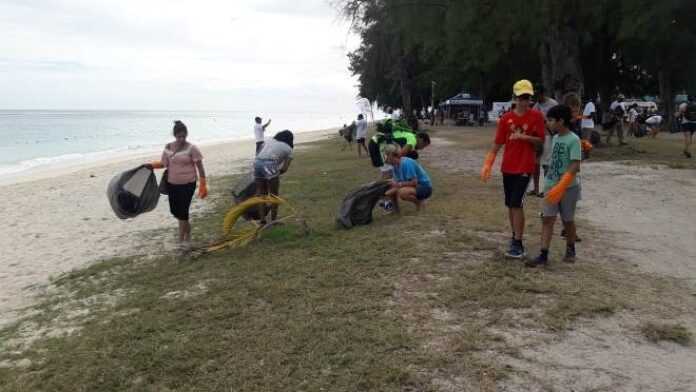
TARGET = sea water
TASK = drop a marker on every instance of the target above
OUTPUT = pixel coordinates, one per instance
(36, 139)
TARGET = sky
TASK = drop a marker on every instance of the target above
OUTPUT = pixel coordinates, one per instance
(175, 55)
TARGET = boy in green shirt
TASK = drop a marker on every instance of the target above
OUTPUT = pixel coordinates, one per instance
(561, 186)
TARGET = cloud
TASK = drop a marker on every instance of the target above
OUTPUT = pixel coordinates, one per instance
(77, 53)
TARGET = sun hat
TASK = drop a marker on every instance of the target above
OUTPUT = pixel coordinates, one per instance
(523, 87)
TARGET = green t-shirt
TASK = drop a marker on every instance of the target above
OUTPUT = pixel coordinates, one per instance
(405, 138)
(564, 150)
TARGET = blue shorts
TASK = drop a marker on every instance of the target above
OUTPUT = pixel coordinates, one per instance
(423, 192)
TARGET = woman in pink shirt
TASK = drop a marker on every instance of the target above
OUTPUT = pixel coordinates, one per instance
(184, 163)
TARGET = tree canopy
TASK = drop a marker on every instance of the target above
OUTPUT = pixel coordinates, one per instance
(597, 48)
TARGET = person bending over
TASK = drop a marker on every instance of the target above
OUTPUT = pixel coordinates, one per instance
(273, 160)
(411, 143)
(410, 182)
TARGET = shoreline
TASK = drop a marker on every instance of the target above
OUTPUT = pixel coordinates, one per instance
(69, 167)
(60, 219)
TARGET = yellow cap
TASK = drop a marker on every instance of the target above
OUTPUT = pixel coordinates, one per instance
(523, 87)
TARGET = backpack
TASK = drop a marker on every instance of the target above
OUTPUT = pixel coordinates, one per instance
(690, 113)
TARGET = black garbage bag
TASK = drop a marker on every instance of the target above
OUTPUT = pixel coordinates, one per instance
(133, 192)
(357, 206)
(246, 188)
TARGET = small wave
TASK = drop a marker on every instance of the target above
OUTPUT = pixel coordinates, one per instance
(67, 160)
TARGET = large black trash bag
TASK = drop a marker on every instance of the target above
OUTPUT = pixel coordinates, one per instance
(245, 189)
(133, 192)
(357, 206)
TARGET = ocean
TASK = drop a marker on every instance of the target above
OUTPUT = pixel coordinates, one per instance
(36, 139)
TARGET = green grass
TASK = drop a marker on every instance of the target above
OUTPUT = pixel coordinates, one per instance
(323, 309)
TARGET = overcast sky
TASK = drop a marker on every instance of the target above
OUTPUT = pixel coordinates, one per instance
(174, 54)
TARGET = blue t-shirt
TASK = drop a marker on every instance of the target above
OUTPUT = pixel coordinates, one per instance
(409, 169)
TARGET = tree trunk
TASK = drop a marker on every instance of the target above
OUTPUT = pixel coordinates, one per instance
(664, 77)
(407, 87)
(560, 59)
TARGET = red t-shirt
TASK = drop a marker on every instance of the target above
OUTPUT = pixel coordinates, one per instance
(519, 156)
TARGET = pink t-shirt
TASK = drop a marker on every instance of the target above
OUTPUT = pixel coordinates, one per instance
(181, 165)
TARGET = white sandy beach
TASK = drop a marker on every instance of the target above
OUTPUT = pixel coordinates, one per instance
(58, 220)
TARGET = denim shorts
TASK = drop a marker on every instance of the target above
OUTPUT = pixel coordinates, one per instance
(423, 192)
(266, 169)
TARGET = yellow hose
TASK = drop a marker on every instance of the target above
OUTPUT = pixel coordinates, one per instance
(235, 212)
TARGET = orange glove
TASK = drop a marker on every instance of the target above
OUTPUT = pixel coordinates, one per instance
(586, 146)
(487, 167)
(155, 165)
(555, 195)
(203, 189)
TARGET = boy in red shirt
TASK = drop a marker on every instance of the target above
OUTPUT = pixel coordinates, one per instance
(521, 131)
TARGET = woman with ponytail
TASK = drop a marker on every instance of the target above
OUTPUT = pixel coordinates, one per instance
(184, 164)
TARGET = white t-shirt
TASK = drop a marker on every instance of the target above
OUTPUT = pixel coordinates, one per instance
(588, 111)
(258, 132)
(682, 111)
(632, 115)
(614, 104)
(395, 116)
(361, 129)
(654, 120)
(275, 150)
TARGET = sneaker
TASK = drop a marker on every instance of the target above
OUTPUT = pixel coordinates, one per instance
(516, 251)
(541, 261)
(532, 193)
(386, 205)
(570, 255)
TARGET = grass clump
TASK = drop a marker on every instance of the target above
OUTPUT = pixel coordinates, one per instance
(659, 332)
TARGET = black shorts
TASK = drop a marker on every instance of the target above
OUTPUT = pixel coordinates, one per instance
(515, 188)
(180, 197)
(360, 140)
(689, 127)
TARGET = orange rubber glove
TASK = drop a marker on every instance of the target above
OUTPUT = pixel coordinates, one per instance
(487, 167)
(586, 146)
(555, 195)
(156, 164)
(203, 189)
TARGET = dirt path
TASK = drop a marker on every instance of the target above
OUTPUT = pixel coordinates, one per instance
(649, 212)
(630, 213)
